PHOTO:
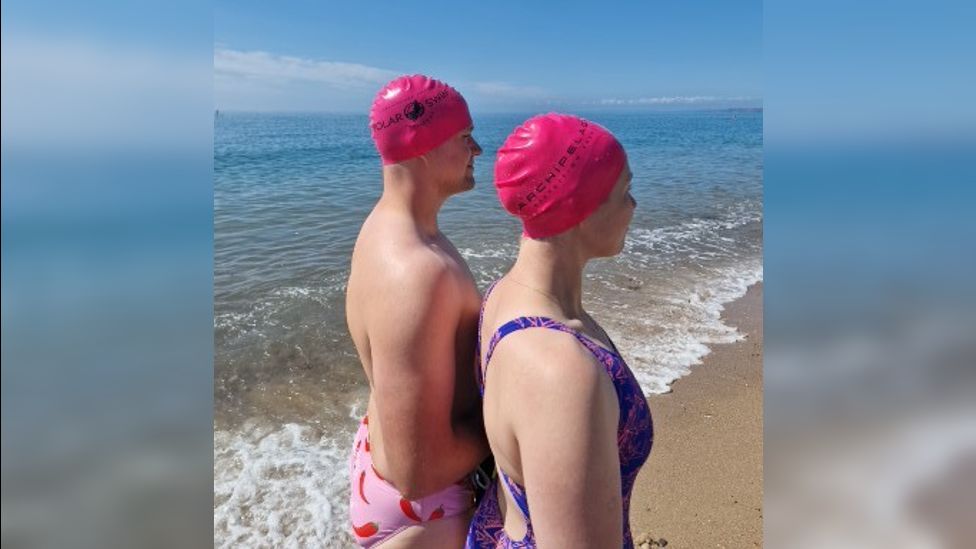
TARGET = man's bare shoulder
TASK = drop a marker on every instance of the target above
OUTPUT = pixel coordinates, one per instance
(405, 258)
(407, 305)
(388, 235)
(402, 277)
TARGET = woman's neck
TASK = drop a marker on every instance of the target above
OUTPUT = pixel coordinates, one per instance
(553, 268)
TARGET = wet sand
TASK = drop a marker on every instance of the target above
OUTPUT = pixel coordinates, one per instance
(703, 484)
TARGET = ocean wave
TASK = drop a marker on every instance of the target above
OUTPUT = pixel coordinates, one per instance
(675, 332)
(278, 487)
(256, 318)
(696, 240)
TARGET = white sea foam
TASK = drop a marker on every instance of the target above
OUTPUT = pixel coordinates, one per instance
(264, 314)
(281, 487)
(664, 341)
(238, 323)
(696, 240)
(294, 292)
(324, 294)
(489, 252)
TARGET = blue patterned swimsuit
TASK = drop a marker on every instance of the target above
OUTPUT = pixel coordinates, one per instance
(634, 436)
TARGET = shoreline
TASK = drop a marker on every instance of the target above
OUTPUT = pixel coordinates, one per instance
(703, 483)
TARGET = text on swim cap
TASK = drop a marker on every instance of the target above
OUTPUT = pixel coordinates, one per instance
(413, 111)
(580, 142)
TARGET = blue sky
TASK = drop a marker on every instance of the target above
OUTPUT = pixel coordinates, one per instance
(842, 70)
(333, 56)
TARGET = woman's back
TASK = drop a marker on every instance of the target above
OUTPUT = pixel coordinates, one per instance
(581, 463)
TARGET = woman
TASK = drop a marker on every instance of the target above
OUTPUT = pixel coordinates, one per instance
(566, 420)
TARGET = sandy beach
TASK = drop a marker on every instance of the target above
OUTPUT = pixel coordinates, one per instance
(703, 484)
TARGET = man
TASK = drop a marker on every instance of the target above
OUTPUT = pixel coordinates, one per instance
(412, 310)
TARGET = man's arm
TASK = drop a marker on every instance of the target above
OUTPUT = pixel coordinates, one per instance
(413, 326)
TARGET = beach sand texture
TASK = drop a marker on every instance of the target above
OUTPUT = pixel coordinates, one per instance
(702, 486)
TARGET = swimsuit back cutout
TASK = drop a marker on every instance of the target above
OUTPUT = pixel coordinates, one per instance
(634, 429)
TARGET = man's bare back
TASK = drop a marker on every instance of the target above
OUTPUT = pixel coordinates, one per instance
(392, 267)
(412, 311)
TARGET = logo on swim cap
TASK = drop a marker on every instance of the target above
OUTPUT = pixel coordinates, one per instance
(414, 110)
(414, 114)
(554, 170)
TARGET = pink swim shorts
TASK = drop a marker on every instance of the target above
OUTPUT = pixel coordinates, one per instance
(378, 511)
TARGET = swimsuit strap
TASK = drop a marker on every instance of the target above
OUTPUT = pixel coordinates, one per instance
(518, 494)
(524, 322)
(481, 315)
(478, 371)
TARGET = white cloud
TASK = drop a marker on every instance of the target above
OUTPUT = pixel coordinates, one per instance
(259, 80)
(279, 69)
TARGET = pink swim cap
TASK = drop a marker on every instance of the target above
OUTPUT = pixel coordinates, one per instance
(414, 114)
(554, 170)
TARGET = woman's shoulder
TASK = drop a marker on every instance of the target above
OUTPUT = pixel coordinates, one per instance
(546, 357)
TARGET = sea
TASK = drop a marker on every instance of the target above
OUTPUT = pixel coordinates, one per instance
(291, 191)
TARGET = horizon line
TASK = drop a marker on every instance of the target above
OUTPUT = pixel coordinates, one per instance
(514, 111)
